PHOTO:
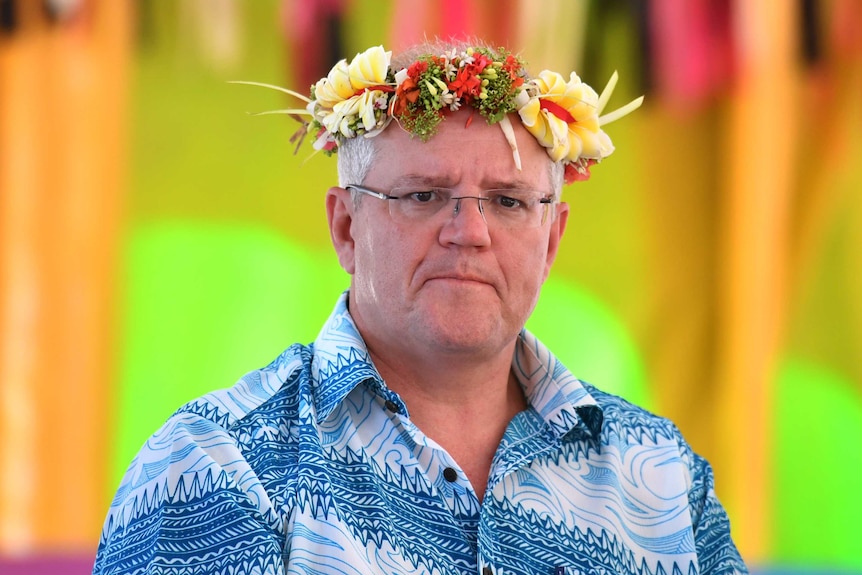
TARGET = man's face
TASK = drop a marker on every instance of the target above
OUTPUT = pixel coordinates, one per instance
(456, 285)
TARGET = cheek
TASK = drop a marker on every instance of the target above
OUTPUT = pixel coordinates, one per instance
(366, 274)
(528, 272)
(381, 264)
(532, 258)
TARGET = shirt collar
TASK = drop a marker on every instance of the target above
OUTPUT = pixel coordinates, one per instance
(341, 362)
(559, 398)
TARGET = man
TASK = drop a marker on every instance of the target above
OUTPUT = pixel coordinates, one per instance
(425, 431)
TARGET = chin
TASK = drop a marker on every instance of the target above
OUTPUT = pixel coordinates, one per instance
(463, 334)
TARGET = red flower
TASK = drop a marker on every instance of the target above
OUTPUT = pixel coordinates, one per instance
(512, 66)
(417, 68)
(407, 93)
(574, 173)
(480, 62)
(466, 83)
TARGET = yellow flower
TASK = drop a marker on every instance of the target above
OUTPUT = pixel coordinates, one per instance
(335, 87)
(344, 95)
(369, 68)
(563, 117)
(364, 107)
(366, 70)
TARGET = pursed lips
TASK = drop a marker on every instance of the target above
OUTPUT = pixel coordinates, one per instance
(461, 278)
(463, 272)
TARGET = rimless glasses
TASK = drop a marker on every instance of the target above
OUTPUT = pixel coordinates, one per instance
(510, 208)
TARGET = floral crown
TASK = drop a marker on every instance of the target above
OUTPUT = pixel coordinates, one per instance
(361, 99)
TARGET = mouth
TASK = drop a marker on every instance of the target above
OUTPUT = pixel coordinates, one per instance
(460, 280)
(460, 275)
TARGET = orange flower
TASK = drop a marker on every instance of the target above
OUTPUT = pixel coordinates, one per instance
(406, 93)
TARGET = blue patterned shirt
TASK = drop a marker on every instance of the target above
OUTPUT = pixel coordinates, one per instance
(312, 466)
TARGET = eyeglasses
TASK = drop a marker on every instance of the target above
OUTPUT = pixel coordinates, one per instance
(510, 209)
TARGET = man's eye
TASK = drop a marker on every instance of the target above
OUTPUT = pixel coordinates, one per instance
(509, 202)
(423, 197)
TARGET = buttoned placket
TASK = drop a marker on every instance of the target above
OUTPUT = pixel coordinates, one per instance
(442, 471)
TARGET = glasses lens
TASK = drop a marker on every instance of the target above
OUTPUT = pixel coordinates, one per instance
(512, 209)
(515, 208)
(416, 204)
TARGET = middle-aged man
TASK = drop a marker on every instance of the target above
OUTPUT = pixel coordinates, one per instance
(425, 430)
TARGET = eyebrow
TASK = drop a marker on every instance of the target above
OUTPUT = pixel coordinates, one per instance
(418, 179)
(441, 182)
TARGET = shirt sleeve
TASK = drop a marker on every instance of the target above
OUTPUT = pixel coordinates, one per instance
(716, 552)
(190, 503)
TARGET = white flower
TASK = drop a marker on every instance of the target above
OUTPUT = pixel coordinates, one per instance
(362, 107)
(344, 96)
(369, 68)
(335, 87)
(563, 117)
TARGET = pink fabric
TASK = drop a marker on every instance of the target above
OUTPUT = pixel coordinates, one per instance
(305, 24)
(692, 49)
(457, 20)
(412, 20)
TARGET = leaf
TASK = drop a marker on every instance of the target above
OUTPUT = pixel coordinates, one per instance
(273, 87)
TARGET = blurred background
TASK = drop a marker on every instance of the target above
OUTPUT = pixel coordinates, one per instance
(154, 236)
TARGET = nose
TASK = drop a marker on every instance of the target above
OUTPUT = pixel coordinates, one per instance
(466, 227)
(479, 201)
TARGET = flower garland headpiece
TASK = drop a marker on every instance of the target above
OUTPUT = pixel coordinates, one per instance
(361, 99)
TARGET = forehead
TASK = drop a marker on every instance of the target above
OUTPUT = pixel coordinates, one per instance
(465, 149)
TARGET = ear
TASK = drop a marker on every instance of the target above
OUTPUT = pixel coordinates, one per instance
(558, 227)
(339, 214)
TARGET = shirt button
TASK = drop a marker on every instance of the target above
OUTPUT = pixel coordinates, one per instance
(392, 406)
(450, 475)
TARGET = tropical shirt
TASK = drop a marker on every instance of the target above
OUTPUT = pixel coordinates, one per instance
(312, 465)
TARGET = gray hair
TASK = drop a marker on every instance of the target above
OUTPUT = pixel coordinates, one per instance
(357, 155)
(355, 158)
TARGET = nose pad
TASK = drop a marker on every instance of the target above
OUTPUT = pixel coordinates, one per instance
(466, 230)
(479, 201)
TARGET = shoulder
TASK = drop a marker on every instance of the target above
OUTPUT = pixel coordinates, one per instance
(256, 394)
(629, 427)
(210, 444)
(661, 446)
(621, 417)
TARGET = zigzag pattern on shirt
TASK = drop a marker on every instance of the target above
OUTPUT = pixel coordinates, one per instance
(626, 423)
(375, 503)
(251, 561)
(556, 545)
(333, 363)
(307, 479)
(715, 557)
(252, 557)
(317, 469)
(360, 492)
(207, 505)
(338, 377)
